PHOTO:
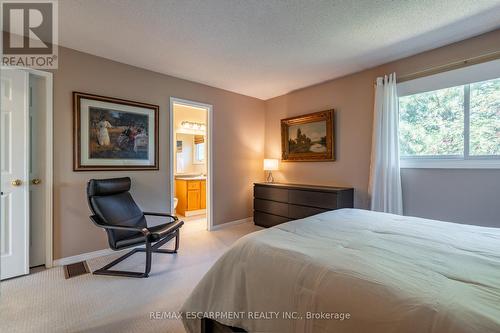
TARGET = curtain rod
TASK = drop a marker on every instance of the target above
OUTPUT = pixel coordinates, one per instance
(448, 67)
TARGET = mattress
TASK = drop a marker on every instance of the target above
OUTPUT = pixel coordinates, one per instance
(353, 270)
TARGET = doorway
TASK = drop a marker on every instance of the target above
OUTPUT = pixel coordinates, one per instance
(26, 171)
(190, 163)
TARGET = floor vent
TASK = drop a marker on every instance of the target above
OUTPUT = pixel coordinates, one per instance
(76, 269)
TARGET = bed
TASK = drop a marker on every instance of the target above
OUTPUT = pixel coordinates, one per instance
(386, 273)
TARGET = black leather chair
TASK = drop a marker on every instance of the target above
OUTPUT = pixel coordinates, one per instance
(114, 210)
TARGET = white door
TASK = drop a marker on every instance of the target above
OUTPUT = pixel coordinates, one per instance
(14, 178)
(37, 162)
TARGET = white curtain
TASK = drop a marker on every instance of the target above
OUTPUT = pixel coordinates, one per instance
(385, 177)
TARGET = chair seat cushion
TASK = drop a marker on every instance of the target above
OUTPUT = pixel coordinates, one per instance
(157, 233)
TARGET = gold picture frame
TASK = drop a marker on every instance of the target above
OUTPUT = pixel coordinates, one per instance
(308, 137)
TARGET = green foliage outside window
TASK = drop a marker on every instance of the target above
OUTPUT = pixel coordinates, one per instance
(432, 123)
(485, 118)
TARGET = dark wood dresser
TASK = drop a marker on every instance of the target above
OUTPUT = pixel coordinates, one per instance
(276, 203)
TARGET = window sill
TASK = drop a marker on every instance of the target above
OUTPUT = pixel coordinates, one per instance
(417, 163)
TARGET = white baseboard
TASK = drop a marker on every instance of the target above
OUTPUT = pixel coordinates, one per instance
(105, 252)
(228, 224)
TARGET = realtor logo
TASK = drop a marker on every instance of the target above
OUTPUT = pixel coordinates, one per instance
(29, 34)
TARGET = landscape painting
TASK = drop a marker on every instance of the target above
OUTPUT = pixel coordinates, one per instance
(114, 134)
(308, 137)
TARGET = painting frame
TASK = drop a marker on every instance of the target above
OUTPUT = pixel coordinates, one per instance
(328, 155)
(82, 160)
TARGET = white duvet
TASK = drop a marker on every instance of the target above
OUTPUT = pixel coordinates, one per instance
(387, 273)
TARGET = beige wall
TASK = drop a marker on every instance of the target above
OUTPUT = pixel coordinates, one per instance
(238, 145)
(352, 98)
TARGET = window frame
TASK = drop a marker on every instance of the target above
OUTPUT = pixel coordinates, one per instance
(465, 161)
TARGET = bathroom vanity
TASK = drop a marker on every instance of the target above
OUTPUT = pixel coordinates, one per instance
(192, 195)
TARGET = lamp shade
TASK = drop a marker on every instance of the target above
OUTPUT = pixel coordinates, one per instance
(270, 164)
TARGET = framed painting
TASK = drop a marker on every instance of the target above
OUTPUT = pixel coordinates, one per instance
(114, 134)
(308, 137)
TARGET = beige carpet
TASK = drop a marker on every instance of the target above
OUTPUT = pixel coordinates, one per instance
(46, 302)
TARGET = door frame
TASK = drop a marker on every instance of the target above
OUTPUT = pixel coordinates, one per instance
(48, 179)
(210, 176)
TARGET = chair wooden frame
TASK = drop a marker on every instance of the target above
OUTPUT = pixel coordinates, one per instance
(149, 249)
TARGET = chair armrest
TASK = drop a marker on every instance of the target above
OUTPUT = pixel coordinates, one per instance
(175, 218)
(100, 223)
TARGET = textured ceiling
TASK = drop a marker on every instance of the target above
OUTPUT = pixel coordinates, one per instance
(266, 48)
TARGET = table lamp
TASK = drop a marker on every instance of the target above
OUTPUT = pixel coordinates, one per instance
(270, 164)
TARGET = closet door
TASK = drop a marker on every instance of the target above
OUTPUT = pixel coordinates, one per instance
(14, 147)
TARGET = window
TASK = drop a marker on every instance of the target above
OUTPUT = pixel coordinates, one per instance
(485, 118)
(199, 153)
(455, 126)
(432, 123)
(199, 149)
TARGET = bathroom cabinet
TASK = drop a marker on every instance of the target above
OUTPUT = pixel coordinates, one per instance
(191, 195)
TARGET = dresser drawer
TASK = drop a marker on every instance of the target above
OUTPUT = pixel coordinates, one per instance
(268, 220)
(271, 207)
(193, 185)
(299, 212)
(276, 203)
(326, 200)
(270, 193)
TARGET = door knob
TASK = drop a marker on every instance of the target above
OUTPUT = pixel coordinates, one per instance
(36, 181)
(16, 182)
